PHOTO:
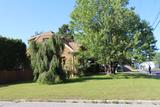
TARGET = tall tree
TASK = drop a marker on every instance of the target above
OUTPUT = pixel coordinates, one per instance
(108, 30)
(65, 31)
(46, 60)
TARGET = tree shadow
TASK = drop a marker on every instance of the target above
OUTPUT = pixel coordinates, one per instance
(86, 78)
(134, 75)
(6, 84)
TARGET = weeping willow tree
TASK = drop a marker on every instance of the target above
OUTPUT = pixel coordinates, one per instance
(46, 60)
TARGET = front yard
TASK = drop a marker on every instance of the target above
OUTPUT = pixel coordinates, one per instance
(120, 86)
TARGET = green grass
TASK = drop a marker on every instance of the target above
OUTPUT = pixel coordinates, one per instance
(121, 86)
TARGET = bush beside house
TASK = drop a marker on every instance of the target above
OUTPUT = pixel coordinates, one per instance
(12, 54)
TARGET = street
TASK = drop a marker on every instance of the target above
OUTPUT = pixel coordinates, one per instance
(53, 104)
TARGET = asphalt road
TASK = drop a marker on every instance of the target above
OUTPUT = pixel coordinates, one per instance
(53, 104)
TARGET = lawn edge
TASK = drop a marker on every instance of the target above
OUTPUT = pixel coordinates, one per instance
(152, 102)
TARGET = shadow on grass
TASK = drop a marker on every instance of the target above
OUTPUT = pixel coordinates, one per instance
(86, 78)
(134, 75)
(100, 77)
(14, 83)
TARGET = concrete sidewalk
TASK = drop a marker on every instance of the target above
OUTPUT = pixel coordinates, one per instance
(67, 104)
(147, 102)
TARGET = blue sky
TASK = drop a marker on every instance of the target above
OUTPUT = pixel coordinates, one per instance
(22, 18)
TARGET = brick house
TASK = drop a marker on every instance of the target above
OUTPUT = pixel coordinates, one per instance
(68, 57)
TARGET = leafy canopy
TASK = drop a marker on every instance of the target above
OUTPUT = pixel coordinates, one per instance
(111, 32)
(66, 32)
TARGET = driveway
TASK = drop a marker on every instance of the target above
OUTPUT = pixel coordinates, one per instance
(53, 104)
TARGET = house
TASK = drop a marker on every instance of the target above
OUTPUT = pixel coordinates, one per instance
(68, 55)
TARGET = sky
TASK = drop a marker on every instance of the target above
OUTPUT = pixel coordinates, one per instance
(22, 18)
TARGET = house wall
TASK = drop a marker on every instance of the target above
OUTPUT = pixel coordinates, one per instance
(68, 58)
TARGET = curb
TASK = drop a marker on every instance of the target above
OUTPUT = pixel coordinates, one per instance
(148, 102)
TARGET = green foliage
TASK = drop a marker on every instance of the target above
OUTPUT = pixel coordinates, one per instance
(46, 60)
(65, 31)
(12, 54)
(143, 42)
(111, 32)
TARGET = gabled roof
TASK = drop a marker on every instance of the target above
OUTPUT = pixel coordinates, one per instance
(70, 44)
(43, 35)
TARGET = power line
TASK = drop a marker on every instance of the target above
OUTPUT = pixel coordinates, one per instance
(157, 25)
(156, 18)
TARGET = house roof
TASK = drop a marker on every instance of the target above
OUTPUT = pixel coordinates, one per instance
(70, 44)
(43, 35)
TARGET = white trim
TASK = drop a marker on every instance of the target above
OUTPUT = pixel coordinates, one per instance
(69, 47)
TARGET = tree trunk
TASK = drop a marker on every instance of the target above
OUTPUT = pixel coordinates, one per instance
(110, 68)
(114, 70)
(105, 69)
(113, 67)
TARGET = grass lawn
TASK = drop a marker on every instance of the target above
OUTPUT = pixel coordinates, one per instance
(120, 86)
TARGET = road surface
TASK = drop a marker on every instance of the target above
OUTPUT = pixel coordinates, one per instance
(53, 104)
(155, 73)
